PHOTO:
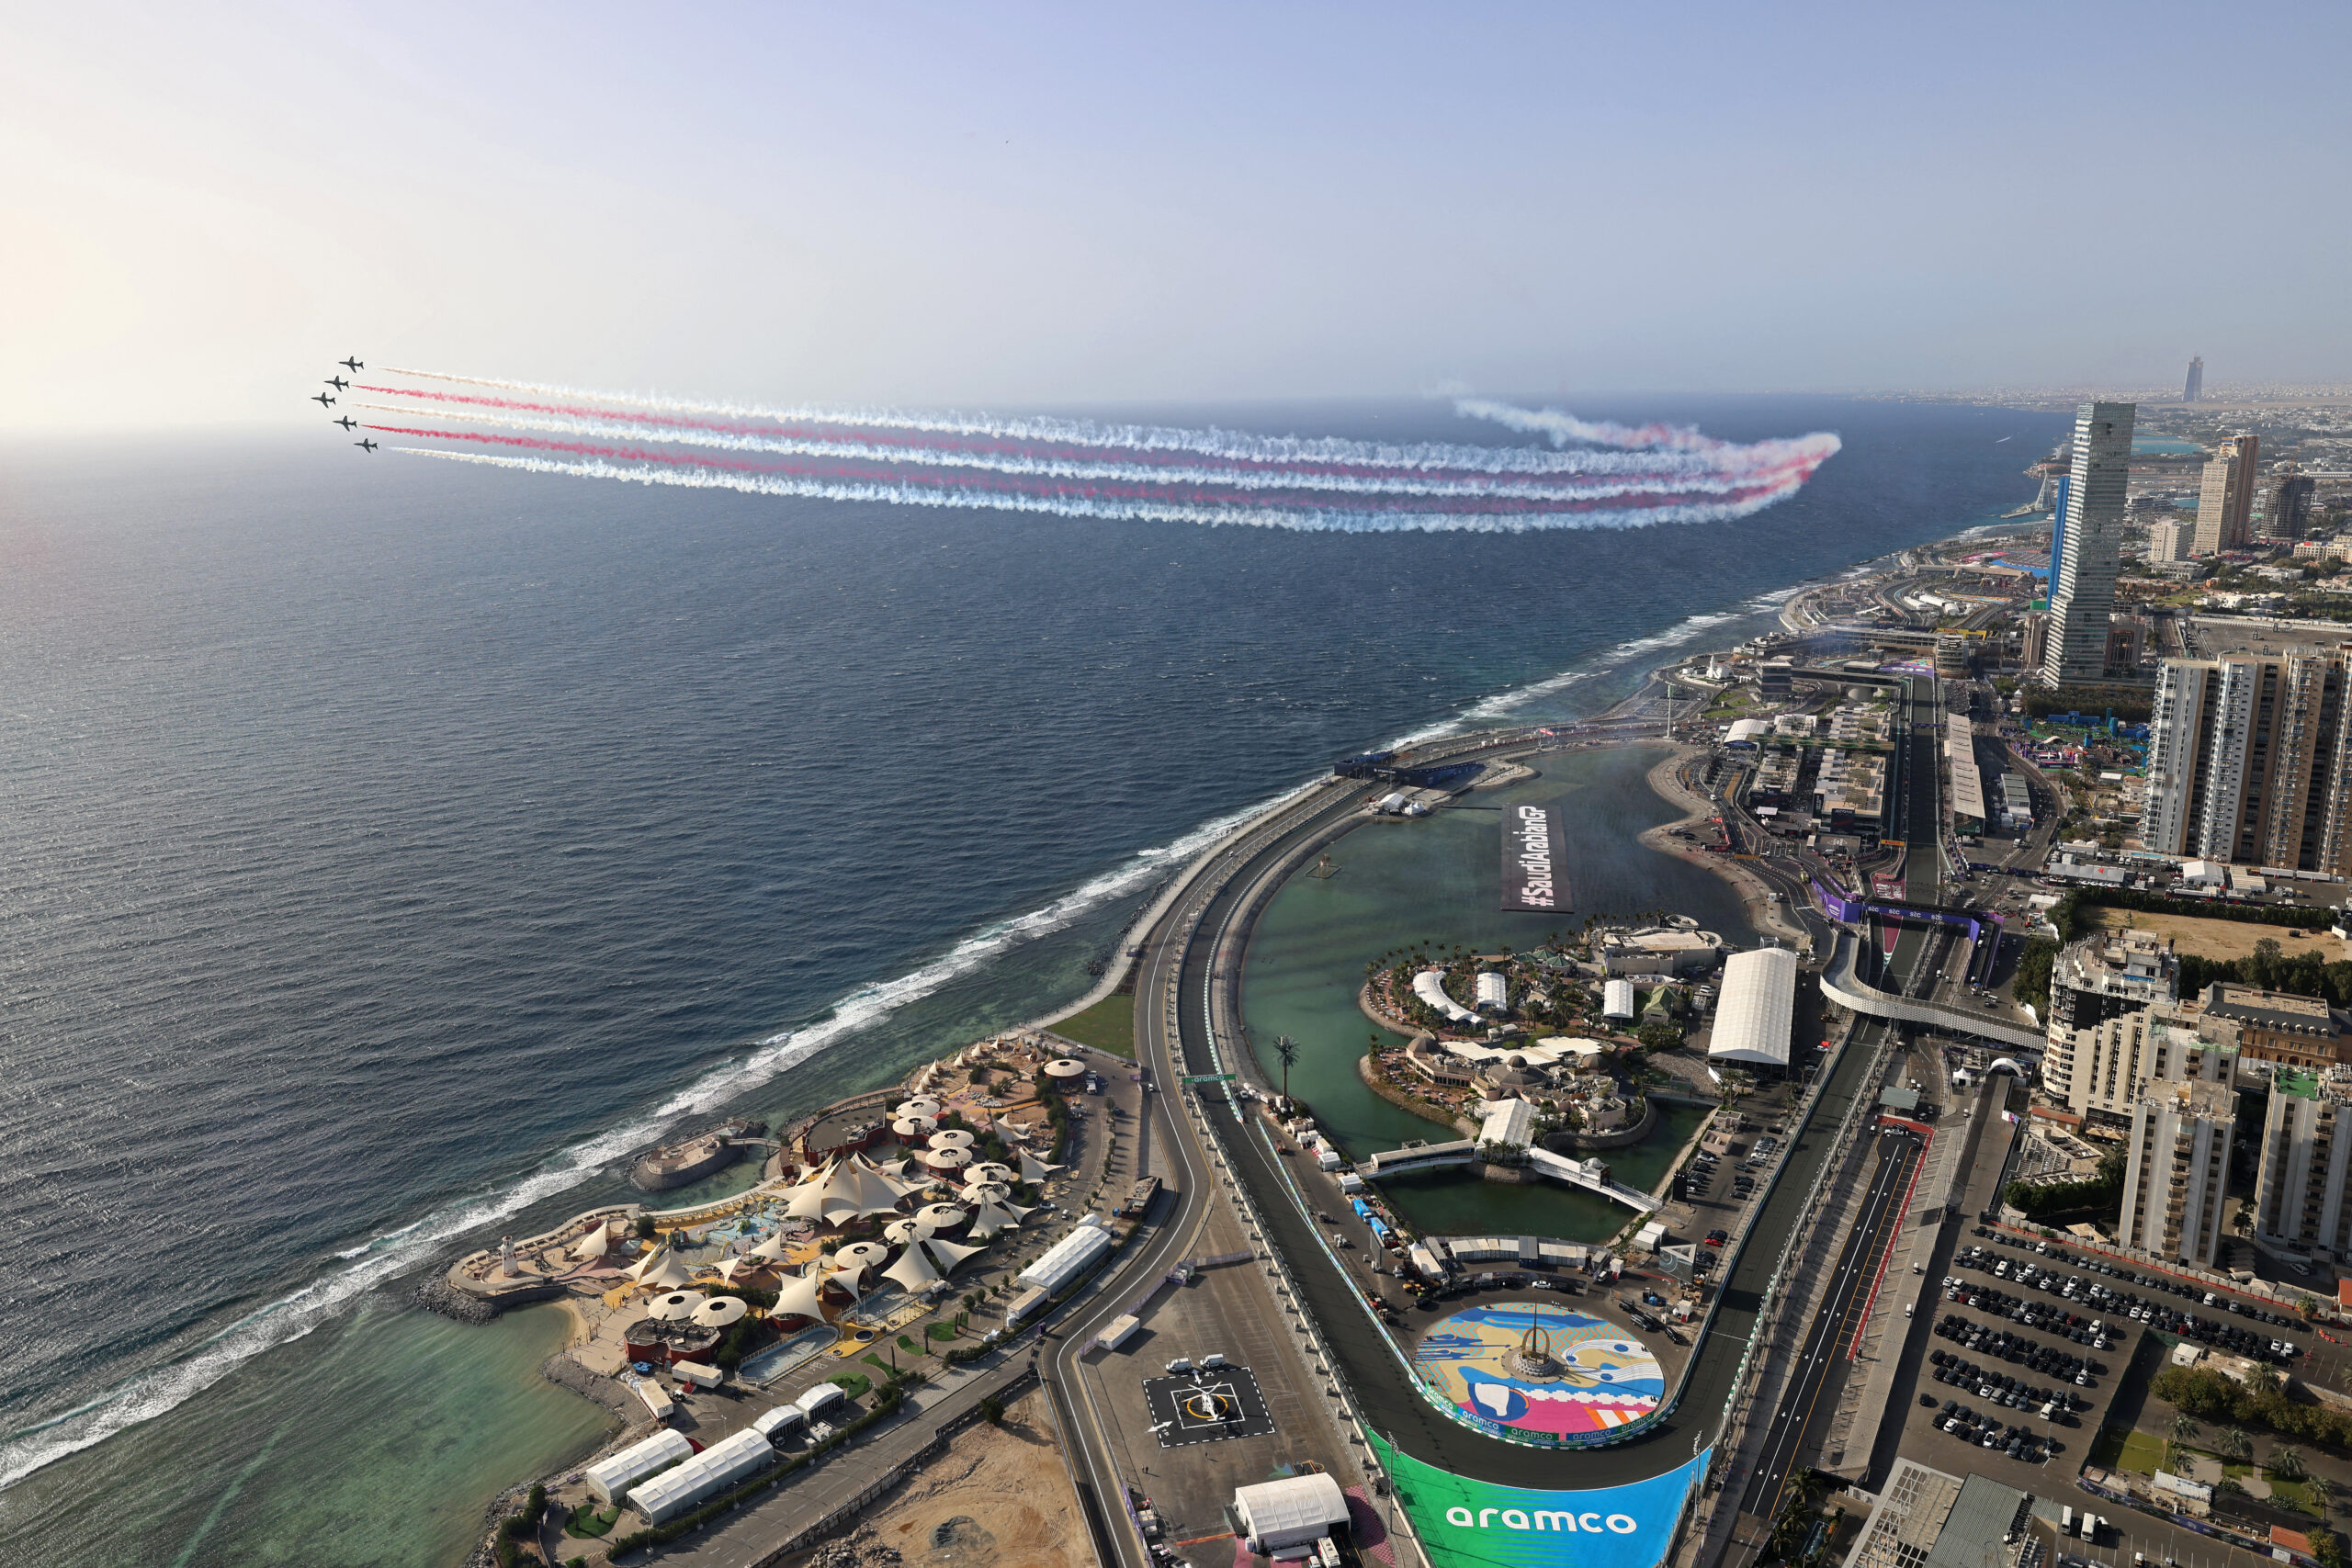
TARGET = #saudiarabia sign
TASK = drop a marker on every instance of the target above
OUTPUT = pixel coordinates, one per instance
(1477, 1524)
(1535, 870)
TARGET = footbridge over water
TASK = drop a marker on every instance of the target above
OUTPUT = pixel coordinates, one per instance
(1842, 983)
(1590, 1175)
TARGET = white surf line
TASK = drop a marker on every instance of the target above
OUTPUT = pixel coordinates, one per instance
(1239, 514)
(1233, 445)
(1611, 475)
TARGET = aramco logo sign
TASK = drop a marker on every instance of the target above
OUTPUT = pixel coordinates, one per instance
(1463, 1522)
(1541, 1520)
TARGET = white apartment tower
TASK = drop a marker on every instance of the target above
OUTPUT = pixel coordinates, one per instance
(2306, 1145)
(2176, 1170)
(2082, 580)
(2115, 1062)
(2250, 761)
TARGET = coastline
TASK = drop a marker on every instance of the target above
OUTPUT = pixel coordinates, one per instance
(1764, 915)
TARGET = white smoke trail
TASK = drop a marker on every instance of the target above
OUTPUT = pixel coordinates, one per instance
(1326, 521)
(1231, 445)
(1563, 428)
(1634, 474)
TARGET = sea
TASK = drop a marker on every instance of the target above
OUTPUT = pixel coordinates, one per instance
(392, 848)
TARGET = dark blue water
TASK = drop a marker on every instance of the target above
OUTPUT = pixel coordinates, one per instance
(390, 847)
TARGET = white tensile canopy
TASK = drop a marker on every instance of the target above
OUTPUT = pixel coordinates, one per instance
(896, 1169)
(771, 1250)
(852, 1279)
(802, 1295)
(949, 1254)
(720, 1311)
(946, 1161)
(861, 1255)
(647, 1264)
(1013, 1130)
(675, 1308)
(856, 1188)
(920, 1105)
(1064, 1067)
(941, 1216)
(904, 1231)
(912, 1271)
(989, 1219)
(727, 1268)
(669, 1276)
(1017, 1211)
(984, 1192)
(1035, 1170)
(808, 1200)
(596, 1244)
(952, 1138)
(911, 1126)
(990, 1170)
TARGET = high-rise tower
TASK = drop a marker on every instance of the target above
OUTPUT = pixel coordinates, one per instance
(2081, 573)
(2225, 499)
(2193, 391)
(2250, 760)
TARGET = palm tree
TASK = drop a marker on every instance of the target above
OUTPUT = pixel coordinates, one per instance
(2233, 1444)
(2323, 1493)
(2287, 1462)
(2184, 1426)
(1286, 1053)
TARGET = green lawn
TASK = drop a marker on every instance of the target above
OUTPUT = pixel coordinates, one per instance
(1108, 1025)
(854, 1384)
(590, 1522)
(2127, 1447)
(2292, 1495)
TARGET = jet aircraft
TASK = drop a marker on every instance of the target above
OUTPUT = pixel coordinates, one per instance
(322, 399)
(355, 365)
(370, 445)
(346, 421)
(337, 382)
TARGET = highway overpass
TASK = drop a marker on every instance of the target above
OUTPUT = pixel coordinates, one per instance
(1842, 984)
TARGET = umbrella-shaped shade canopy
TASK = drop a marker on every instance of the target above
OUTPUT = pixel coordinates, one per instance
(990, 1170)
(949, 1254)
(912, 1271)
(720, 1311)
(952, 1138)
(596, 1244)
(912, 1126)
(675, 1308)
(920, 1105)
(905, 1230)
(941, 1216)
(770, 1250)
(984, 1192)
(861, 1255)
(801, 1296)
(946, 1159)
(1064, 1067)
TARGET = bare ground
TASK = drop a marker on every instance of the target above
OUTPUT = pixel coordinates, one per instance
(2215, 939)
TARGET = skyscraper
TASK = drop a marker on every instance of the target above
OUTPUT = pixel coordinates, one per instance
(2287, 504)
(2250, 761)
(2225, 499)
(2082, 572)
(2176, 1170)
(2194, 390)
(2169, 540)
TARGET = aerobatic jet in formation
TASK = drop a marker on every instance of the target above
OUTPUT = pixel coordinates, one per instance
(322, 399)
(353, 365)
(346, 421)
(370, 445)
(337, 382)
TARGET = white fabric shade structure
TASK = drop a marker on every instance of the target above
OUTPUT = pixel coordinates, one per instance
(984, 1192)
(801, 1296)
(950, 1254)
(896, 1169)
(647, 1264)
(845, 1190)
(990, 1170)
(941, 1216)
(1035, 1170)
(806, 1201)
(905, 1230)
(596, 1244)
(952, 1138)
(727, 1268)
(1013, 1130)
(771, 1250)
(675, 1308)
(668, 1276)
(912, 1272)
(720, 1311)
(946, 1160)
(852, 1279)
(1063, 1068)
(911, 1126)
(861, 1255)
(920, 1105)
(989, 1219)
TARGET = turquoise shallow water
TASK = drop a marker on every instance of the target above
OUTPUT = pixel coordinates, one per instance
(1437, 881)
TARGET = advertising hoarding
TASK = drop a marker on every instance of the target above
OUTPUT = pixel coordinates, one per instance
(1466, 1523)
(1536, 858)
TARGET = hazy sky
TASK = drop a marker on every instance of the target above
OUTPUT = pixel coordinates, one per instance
(1001, 204)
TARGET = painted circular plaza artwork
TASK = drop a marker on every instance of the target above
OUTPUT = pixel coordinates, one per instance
(1541, 1368)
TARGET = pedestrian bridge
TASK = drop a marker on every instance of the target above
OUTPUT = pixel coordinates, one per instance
(1587, 1174)
(1842, 984)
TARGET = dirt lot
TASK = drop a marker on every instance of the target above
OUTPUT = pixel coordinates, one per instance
(2218, 938)
(997, 1498)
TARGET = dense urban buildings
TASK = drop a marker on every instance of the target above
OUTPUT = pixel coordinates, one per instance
(2098, 978)
(2276, 1026)
(2171, 541)
(2194, 389)
(2248, 763)
(2082, 595)
(2225, 498)
(2177, 1169)
(2298, 1193)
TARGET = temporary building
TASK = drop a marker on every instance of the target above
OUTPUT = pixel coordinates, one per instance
(700, 1373)
(1034, 1169)
(1757, 1009)
(823, 1397)
(720, 1311)
(1069, 1257)
(610, 1478)
(596, 1244)
(723, 1464)
(1617, 1000)
(773, 1424)
(1492, 990)
(912, 1271)
(1283, 1513)
(950, 1254)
